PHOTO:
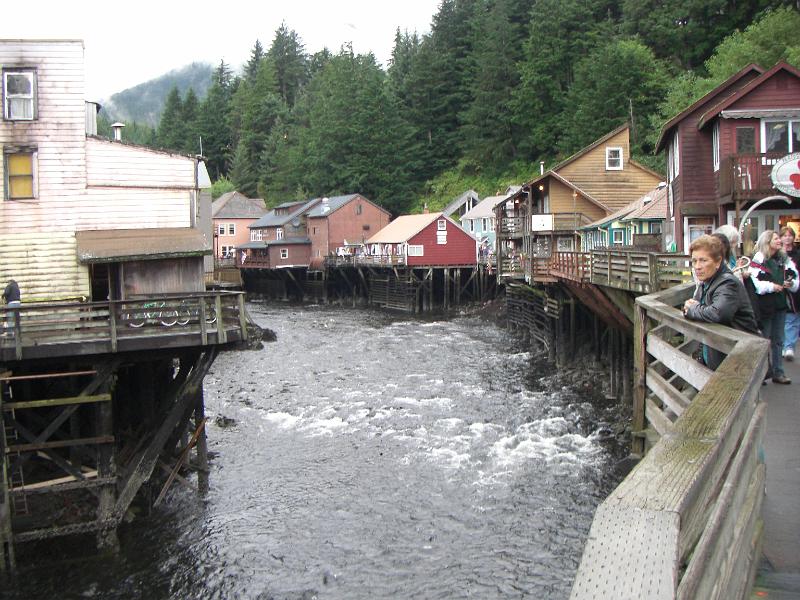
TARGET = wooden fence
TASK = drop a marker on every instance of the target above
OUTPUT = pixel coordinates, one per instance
(686, 522)
(38, 330)
(642, 272)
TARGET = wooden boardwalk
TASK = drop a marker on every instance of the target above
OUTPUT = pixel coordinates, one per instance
(779, 576)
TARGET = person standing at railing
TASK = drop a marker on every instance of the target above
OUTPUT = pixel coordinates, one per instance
(12, 299)
(773, 274)
(719, 297)
(792, 327)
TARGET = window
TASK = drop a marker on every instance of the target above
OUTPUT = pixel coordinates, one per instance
(471, 224)
(613, 159)
(697, 226)
(231, 229)
(618, 237)
(227, 251)
(416, 250)
(221, 229)
(673, 158)
(655, 227)
(279, 233)
(441, 238)
(256, 235)
(745, 140)
(284, 253)
(715, 145)
(20, 170)
(780, 137)
(19, 94)
(441, 225)
(313, 231)
(485, 224)
(359, 209)
(365, 227)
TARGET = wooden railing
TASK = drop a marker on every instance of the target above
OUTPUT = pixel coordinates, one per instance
(365, 260)
(50, 329)
(643, 272)
(686, 522)
(511, 227)
(571, 265)
(746, 176)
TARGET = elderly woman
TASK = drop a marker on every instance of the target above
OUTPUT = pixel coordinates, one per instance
(773, 274)
(720, 297)
(792, 327)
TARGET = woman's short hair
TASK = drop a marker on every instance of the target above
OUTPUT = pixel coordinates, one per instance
(785, 230)
(710, 244)
(730, 232)
(762, 245)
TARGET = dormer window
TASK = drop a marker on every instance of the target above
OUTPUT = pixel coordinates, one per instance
(19, 94)
(613, 159)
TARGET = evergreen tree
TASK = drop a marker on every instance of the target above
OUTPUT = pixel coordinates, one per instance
(290, 62)
(170, 133)
(404, 52)
(256, 56)
(621, 81)
(212, 127)
(223, 76)
(189, 115)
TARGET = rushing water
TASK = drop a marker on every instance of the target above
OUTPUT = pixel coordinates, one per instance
(368, 456)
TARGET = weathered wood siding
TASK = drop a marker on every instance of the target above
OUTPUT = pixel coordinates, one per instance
(561, 202)
(173, 276)
(615, 189)
(81, 183)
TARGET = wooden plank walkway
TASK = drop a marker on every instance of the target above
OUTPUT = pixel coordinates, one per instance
(779, 576)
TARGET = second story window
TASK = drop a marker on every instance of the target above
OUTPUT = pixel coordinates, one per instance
(613, 159)
(715, 145)
(255, 235)
(231, 229)
(441, 225)
(279, 233)
(19, 94)
(20, 175)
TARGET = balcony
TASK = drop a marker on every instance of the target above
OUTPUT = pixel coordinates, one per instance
(511, 227)
(744, 177)
(43, 330)
(549, 222)
(367, 260)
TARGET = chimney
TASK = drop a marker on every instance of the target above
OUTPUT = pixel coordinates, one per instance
(425, 209)
(117, 127)
(541, 167)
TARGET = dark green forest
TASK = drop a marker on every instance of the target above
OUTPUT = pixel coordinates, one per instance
(495, 87)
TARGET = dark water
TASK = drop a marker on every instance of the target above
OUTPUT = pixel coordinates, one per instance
(370, 457)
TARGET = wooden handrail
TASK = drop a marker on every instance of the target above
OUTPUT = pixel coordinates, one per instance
(685, 521)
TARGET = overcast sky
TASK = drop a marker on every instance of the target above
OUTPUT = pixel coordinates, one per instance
(130, 42)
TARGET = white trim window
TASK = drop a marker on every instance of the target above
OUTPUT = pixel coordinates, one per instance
(231, 228)
(613, 158)
(441, 225)
(715, 145)
(227, 251)
(256, 235)
(779, 137)
(673, 158)
(284, 253)
(485, 224)
(19, 94)
(19, 168)
(279, 233)
(416, 250)
(618, 237)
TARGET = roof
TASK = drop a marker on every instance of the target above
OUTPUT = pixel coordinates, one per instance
(235, 205)
(291, 241)
(655, 209)
(331, 204)
(460, 201)
(114, 245)
(696, 104)
(272, 220)
(403, 228)
(709, 115)
(484, 208)
(643, 205)
(253, 244)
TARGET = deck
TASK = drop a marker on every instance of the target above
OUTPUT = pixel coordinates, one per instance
(45, 330)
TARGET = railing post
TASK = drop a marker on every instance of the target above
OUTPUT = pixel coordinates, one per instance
(112, 324)
(608, 268)
(17, 333)
(203, 324)
(242, 317)
(641, 327)
(652, 273)
(222, 335)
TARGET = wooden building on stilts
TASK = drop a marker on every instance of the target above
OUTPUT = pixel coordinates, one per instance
(102, 362)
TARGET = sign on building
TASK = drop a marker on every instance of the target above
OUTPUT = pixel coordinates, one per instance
(786, 174)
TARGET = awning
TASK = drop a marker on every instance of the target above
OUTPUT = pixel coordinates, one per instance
(116, 245)
(770, 113)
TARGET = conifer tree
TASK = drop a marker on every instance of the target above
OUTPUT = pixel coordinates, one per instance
(170, 133)
(189, 115)
(256, 56)
(290, 63)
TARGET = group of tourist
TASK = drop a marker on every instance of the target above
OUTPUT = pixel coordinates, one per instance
(757, 295)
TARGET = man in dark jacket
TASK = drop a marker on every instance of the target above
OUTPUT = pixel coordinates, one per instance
(720, 297)
(11, 297)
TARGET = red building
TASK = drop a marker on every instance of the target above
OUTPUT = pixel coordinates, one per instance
(341, 219)
(424, 240)
(721, 151)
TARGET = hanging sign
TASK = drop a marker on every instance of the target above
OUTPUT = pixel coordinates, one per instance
(786, 174)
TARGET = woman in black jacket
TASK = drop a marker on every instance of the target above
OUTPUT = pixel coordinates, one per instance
(720, 297)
